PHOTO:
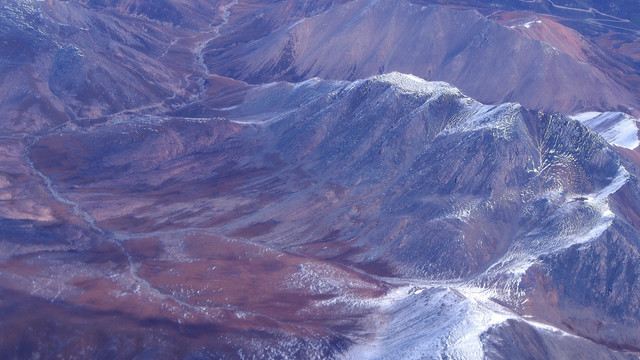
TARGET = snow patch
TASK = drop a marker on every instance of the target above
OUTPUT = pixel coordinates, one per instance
(616, 128)
(528, 24)
(439, 320)
(501, 118)
(411, 84)
(585, 115)
(580, 219)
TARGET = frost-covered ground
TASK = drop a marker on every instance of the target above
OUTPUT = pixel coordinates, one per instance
(617, 128)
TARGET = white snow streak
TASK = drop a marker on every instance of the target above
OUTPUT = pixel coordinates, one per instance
(440, 320)
(411, 84)
(617, 128)
(530, 247)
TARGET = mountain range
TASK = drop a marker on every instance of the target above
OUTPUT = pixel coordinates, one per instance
(319, 179)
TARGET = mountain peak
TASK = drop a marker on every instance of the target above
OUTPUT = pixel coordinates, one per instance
(409, 83)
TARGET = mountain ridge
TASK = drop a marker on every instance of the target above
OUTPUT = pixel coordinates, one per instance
(251, 179)
(361, 191)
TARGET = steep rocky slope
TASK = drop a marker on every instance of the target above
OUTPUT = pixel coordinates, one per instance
(416, 203)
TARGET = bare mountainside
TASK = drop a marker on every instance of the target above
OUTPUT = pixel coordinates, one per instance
(78, 61)
(493, 63)
(267, 180)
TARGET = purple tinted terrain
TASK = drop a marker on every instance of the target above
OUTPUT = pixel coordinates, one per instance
(249, 179)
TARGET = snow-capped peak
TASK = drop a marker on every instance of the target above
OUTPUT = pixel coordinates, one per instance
(408, 83)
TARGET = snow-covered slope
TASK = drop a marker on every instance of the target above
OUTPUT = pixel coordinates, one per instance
(617, 128)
